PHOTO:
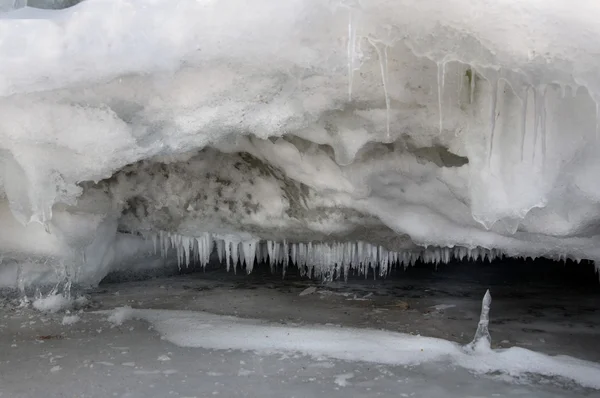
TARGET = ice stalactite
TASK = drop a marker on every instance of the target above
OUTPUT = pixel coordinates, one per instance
(351, 51)
(540, 119)
(525, 105)
(493, 109)
(539, 129)
(441, 83)
(324, 260)
(383, 66)
(471, 75)
(597, 119)
(483, 340)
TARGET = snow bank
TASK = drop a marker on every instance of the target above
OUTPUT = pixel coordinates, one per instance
(203, 330)
(403, 124)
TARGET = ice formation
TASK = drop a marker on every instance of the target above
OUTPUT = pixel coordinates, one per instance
(339, 136)
(217, 332)
(314, 259)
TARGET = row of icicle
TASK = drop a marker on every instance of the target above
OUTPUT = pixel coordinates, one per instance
(313, 259)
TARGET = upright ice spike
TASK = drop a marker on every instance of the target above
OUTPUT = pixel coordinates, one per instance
(482, 340)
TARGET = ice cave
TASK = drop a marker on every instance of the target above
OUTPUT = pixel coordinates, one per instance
(228, 170)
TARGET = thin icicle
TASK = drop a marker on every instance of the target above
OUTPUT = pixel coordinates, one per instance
(220, 249)
(525, 101)
(536, 124)
(383, 66)
(441, 82)
(351, 51)
(597, 120)
(542, 110)
(495, 83)
(472, 86)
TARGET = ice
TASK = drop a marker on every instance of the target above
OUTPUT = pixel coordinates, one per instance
(70, 319)
(482, 340)
(53, 302)
(216, 332)
(257, 130)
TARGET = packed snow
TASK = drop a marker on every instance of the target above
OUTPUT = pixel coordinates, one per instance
(204, 330)
(310, 128)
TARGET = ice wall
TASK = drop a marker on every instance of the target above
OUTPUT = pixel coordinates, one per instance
(399, 123)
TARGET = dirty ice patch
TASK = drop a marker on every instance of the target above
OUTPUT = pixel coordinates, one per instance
(209, 331)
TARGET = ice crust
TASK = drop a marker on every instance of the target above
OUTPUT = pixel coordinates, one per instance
(205, 330)
(423, 124)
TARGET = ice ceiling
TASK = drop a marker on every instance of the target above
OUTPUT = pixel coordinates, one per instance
(329, 134)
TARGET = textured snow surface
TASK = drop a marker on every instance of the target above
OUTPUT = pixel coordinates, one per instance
(402, 124)
(204, 330)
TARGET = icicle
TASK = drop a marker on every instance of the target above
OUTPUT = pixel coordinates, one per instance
(543, 129)
(495, 83)
(351, 51)
(271, 251)
(249, 252)
(472, 88)
(220, 249)
(597, 120)
(186, 241)
(383, 65)
(228, 253)
(235, 256)
(563, 91)
(536, 124)
(441, 77)
(294, 254)
(525, 101)
(285, 256)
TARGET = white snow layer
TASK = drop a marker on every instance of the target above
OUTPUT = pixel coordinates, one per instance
(204, 330)
(419, 123)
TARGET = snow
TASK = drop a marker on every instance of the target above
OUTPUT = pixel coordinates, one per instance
(70, 319)
(98, 358)
(313, 129)
(52, 303)
(342, 380)
(204, 330)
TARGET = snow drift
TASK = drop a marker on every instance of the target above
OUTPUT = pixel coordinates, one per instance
(403, 129)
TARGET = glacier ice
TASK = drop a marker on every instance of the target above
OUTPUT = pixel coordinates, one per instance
(339, 136)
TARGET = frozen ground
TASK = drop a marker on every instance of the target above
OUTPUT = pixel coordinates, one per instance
(87, 353)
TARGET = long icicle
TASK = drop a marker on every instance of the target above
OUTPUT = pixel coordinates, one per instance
(441, 80)
(494, 104)
(383, 66)
(351, 51)
(543, 131)
(524, 121)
